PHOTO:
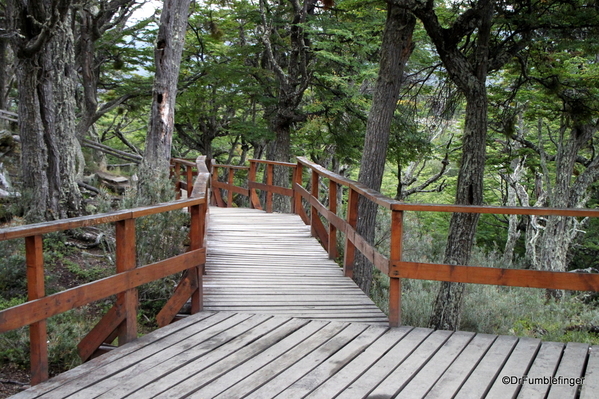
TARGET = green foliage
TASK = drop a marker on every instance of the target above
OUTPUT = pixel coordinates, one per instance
(13, 278)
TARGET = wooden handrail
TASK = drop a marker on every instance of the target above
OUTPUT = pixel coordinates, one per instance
(120, 321)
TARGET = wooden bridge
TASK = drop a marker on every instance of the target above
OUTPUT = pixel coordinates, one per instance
(274, 316)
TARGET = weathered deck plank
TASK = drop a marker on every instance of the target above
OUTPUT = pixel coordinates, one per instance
(237, 355)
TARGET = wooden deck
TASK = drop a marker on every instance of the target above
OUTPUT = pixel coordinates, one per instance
(281, 321)
(260, 262)
(237, 355)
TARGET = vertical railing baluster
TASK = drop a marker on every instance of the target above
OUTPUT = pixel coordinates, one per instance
(38, 335)
(125, 260)
(230, 192)
(269, 177)
(314, 194)
(297, 196)
(254, 201)
(352, 219)
(189, 175)
(177, 180)
(196, 241)
(394, 280)
(333, 253)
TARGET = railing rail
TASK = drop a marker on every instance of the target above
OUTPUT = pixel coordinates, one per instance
(394, 266)
(120, 320)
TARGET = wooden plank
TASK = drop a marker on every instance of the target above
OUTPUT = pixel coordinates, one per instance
(568, 378)
(333, 364)
(308, 363)
(109, 375)
(91, 368)
(488, 368)
(459, 371)
(169, 371)
(51, 305)
(282, 362)
(202, 379)
(508, 383)
(342, 379)
(415, 376)
(538, 380)
(590, 387)
(263, 356)
(414, 348)
(496, 276)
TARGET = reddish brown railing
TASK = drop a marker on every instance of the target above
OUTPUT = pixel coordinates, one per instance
(120, 320)
(394, 266)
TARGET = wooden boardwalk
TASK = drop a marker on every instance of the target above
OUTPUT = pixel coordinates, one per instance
(269, 263)
(281, 321)
(235, 355)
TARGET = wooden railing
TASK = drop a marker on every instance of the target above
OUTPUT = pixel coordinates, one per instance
(394, 266)
(182, 173)
(120, 320)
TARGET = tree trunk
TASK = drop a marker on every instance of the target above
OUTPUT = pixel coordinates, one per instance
(154, 170)
(396, 49)
(462, 227)
(44, 56)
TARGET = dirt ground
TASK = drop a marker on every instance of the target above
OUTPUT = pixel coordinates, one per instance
(12, 380)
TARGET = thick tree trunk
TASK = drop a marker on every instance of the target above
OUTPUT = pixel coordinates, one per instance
(462, 227)
(44, 57)
(396, 49)
(154, 169)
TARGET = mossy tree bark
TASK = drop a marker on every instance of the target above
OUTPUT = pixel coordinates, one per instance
(42, 41)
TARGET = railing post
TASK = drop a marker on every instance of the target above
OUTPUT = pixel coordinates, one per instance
(314, 194)
(189, 174)
(231, 180)
(297, 197)
(254, 200)
(196, 241)
(214, 179)
(125, 260)
(352, 219)
(178, 179)
(269, 177)
(394, 280)
(38, 335)
(333, 253)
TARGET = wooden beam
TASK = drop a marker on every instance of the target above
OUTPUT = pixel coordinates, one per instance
(254, 200)
(395, 255)
(38, 335)
(100, 333)
(126, 261)
(496, 276)
(333, 252)
(92, 220)
(352, 219)
(51, 305)
(185, 289)
(269, 177)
